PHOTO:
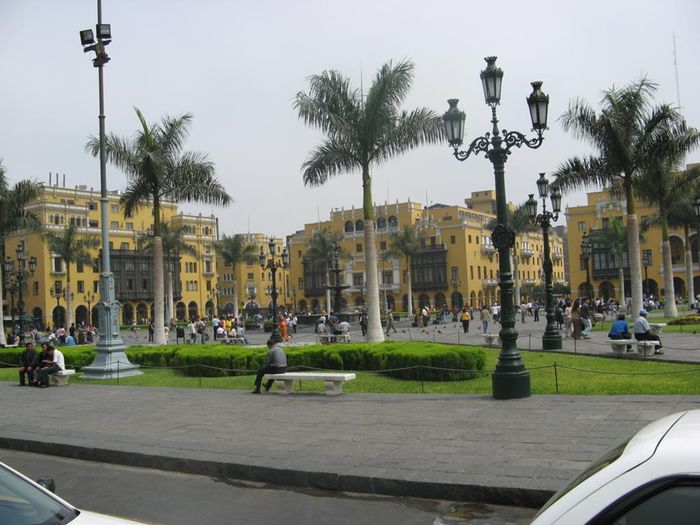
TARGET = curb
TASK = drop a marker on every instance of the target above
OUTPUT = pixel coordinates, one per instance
(521, 497)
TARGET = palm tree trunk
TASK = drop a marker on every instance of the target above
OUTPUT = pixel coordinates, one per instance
(158, 295)
(170, 306)
(69, 299)
(670, 309)
(689, 268)
(3, 339)
(409, 290)
(329, 307)
(235, 301)
(516, 277)
(374, 324)
(634, 252)
(621, 277)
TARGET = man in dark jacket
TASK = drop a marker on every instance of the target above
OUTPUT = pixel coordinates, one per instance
(27, 363)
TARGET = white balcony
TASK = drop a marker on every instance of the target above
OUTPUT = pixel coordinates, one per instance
(490, 283)
(488, 248)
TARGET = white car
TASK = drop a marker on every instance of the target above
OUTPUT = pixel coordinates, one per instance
(24, 502)
(652, 478)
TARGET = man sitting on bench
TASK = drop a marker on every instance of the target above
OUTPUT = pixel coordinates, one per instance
(642, 331)
(52, 362)
(275, 363)
(620, 330)
(27, 363)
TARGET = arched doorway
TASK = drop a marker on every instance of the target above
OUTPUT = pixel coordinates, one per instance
(679, 287)
(141, 313)
(81, 316)
(128, 313)
(209, 306)
(59, 316)
(423, 300)
(302, 306)
(457, 301)
(472, 299)
(481, 297)
(228, 309)
(650, 288)
(391, 302)
(38, 317)
(585, 290)
(315, 307)
(192, 310)
(180, 311)
(606, 290)
(440, 300)
(677, 250)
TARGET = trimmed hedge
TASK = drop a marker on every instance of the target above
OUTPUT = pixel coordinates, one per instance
(219, 360)
(690, 319)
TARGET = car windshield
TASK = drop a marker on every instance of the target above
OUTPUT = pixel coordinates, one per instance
(606, 459)
(21, 503)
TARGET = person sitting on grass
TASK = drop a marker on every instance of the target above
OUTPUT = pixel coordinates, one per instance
(275, 363)
(642, 331)
(620, 330)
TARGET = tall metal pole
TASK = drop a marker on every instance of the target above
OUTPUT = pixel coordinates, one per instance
(551, 340)
(110, 359)
(275, 335)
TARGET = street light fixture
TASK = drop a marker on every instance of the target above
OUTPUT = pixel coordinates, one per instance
(273, 264)
(110, 359)
(586, 251)
(19, 274)
(551, 340)
(511, 379)
(646, 261)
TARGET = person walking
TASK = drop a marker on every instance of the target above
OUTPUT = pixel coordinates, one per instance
(485, 317)
(275, 363)
(568, 323)
(390, 322)
(576, 320)
(465, 318)
(363, 323)
(586, 323)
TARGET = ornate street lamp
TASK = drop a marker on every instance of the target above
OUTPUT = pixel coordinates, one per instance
(646, 261)
(586, 251)
(273, 264)
(551, 340)
(19, 274)
(511, 379)
(89, 299)
(110, 360)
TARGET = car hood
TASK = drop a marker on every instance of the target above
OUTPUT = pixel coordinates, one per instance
(93, 518)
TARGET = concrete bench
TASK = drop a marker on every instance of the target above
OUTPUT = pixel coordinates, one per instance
(647, 348)
(656, 328)
(332, 380)
(619, 346)
(490, 339)
(233, 341)
(334, 338)
(60, 378)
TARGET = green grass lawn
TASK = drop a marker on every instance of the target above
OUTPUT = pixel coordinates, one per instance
(577, 375)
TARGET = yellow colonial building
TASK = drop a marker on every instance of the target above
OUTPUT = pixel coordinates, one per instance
(194, 277)
(598, 213)
(457, 264)
(249, 284)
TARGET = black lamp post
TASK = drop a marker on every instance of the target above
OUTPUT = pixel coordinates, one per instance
(20, 274)
(511, 379)
(586, 251)
(646, 261)
(273, 265)
(551, 340)
(58, 295)
(110, 359)
(89, 299)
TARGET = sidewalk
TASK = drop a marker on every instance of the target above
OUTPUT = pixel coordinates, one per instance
(436, 446)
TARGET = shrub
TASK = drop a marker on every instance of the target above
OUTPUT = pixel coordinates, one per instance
(689, 319)
(250, 324)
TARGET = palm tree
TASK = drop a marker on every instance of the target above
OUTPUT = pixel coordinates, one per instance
(623, 133)
(174, 244)
(682, 215)
(13, 217)
(235, 250)
(157, 170)
(614, 241)
(519, 221)
(320, 252)
(72, 248)
(406, 243)
(363, 132)
(660, 187)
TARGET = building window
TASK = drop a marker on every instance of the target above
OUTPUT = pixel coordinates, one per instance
(358, 248)
(358, 279)
(95, 286)
(57, 287)
(129, 284)
(470, 239)
(581, 226)
(452, 239)
(382, 245)
(606, 223)
(114, 208)
(130, 226)
(251, 276)
(79, 266)
(57, 265)
(478, 271)
(388, 277)
(144, 284)
(94, 223)
(208, 286)
(92, 206)
(114, 225)
(81, 286)
(471, 272)
(124, 246)
(35, 288)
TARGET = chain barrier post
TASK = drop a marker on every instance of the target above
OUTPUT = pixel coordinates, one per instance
(422, 386)
(556, 377)
(199, 370)
(529, 342)
(118, 374)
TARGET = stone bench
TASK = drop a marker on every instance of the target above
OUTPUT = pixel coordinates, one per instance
(332, 380)
(647, 348)
(619, 346)
(233, 341)
(334, 338)
(60, 378)
(656, 328)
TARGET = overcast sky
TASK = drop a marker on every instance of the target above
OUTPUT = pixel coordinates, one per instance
(236, 66)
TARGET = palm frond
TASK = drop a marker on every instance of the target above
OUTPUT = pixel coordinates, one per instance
(327, 160)
(579, 173)
(420, 126)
